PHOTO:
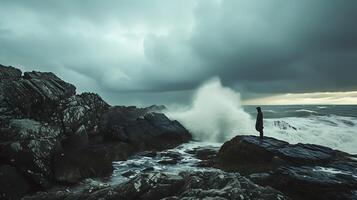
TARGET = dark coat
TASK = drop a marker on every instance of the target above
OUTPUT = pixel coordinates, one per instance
(259, 123)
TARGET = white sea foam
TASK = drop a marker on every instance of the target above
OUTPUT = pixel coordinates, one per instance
(331, 131)
(305, 110)
(215, 115)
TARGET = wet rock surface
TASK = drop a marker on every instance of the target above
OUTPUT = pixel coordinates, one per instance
(186, 185)
(52, 135)
(29, 146)
(302, 171)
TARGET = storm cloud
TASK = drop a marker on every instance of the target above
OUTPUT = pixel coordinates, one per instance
(152, 50)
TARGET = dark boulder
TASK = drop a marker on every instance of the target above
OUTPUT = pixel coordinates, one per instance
(248, 154)
(306, 182)
(242, 151)
(145, 130)
(29, 145)
(302, 171)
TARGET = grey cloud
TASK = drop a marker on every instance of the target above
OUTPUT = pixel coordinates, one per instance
(276, 46)
(149, 50)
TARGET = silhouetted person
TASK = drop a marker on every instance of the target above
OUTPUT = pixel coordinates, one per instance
(259, 123)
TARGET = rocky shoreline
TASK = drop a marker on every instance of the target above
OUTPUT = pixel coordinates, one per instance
(51, 135)
(52, 140)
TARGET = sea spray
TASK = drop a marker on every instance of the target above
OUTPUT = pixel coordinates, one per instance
(215, 113)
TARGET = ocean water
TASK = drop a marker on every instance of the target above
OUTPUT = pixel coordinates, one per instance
(216, 114)
(334, 126)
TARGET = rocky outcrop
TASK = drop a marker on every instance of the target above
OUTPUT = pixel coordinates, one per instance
(80, 117)
(33, 95)
(302, 171)
(51, 135)
(186, 185)
(8, 72)
(29, 146)
(146, 130)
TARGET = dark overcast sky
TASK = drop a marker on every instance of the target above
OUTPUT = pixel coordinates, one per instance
(141, 52)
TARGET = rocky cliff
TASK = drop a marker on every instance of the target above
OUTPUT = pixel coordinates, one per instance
(50, 135)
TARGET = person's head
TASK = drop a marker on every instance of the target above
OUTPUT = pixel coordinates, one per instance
(259, 109)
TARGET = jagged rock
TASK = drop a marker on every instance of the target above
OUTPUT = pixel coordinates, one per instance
(13, 184)
(33, 95)
(145, 130)
(80, 117)
(9, 72)
(83, 111)
(302, 171)
(186, 185)
(217, 184)
(29, 146)
(150, 186)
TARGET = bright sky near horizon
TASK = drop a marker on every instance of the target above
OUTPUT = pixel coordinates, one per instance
(328, 98)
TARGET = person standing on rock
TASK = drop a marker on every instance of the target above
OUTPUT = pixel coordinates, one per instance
(259, 123)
